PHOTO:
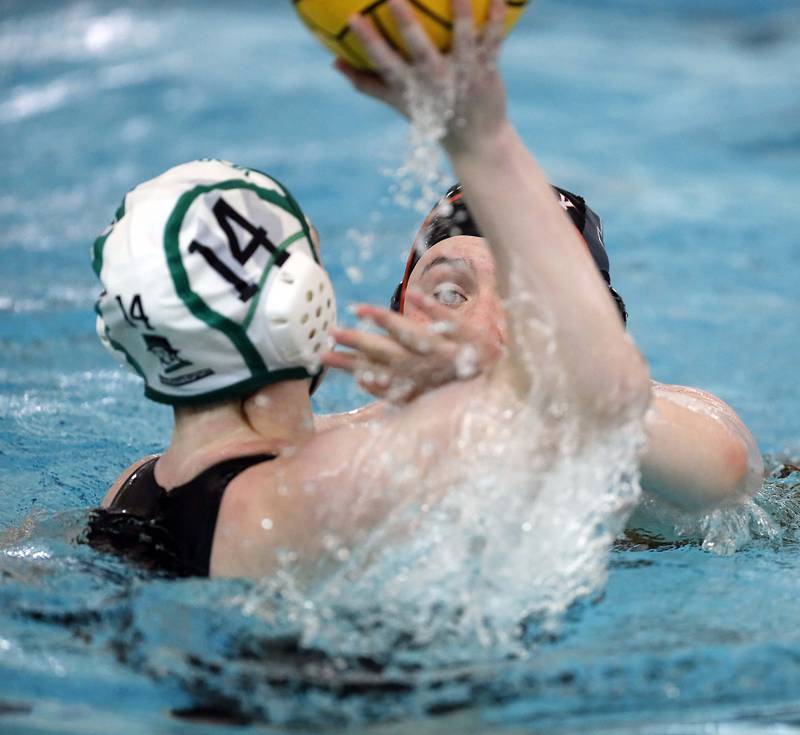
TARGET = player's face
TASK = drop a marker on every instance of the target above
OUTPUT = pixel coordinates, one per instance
(459, 273)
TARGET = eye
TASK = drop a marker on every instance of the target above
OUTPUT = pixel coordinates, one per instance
(448, 294)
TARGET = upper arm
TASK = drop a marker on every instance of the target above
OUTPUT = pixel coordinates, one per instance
(699, 453)
(709, 408)
(118, 483)
(554, 290)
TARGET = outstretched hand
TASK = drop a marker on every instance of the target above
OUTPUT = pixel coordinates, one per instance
(464, 89)
(466, 79)
(411, 357)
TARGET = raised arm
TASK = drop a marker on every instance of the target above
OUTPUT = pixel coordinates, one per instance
(697, 455)
(555, 298)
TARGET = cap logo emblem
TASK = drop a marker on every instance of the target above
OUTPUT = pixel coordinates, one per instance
(564, 202)
(167, 355)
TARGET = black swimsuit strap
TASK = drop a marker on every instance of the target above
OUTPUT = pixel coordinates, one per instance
(139, 494)
(190, 510)
(186, 515)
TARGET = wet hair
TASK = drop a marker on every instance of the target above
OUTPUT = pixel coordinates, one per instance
(451, 217)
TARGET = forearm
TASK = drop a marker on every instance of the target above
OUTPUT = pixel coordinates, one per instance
(698, 453)
(547, 277)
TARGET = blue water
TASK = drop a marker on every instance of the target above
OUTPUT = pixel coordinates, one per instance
(680, 123)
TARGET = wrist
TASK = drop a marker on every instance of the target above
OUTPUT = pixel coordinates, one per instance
(484, 147)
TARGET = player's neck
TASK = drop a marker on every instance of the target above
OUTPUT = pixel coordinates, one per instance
(281, 412)
(269, 421)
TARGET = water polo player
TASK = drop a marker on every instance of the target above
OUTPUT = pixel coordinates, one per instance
(214, 295)
(246, 484)
(699, 454)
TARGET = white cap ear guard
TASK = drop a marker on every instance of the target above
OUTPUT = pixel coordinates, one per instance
(300, 308)
(212, 287)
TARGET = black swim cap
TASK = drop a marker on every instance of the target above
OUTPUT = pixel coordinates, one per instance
(451, 217)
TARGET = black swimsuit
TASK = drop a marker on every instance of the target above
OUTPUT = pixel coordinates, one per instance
(170, 531)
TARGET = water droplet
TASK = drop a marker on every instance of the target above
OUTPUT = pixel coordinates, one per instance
(354, 274)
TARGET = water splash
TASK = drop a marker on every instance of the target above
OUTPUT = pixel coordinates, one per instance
(420, 179)
(361, 256)
(771, 517)
(481, 536)
(505, 530)
(726, 530)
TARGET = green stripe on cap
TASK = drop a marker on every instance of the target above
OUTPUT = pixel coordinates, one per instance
(100, 243)
(296, 210)
(235, 332)
(254, 303)
(237, 390)
(117, 346)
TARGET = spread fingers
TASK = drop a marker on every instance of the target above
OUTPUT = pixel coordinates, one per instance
(372, 347)
(419, 44)
(385, 59)
(414, 336)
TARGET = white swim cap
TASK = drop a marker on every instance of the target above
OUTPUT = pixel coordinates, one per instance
(212, 286)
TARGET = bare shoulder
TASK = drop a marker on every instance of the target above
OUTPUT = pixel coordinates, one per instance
(293, 502)
(114, 489)
(272, 506)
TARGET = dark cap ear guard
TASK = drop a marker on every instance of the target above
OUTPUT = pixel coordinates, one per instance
(440, 225)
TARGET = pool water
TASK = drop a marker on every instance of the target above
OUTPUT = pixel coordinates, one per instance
(680, 123)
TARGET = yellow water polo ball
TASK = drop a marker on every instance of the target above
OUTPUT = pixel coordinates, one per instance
(327, 20)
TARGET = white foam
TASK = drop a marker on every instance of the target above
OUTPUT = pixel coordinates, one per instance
(508, 527)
